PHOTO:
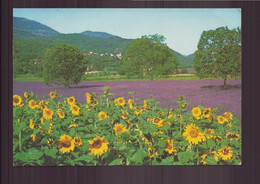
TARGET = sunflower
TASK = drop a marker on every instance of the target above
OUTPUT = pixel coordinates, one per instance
(102, 115)
(218, 138)
(152, 152)
(78, 141)
(26, 95)
(221, 120)
(61, 114)
(232, 136)
(47, 113)
(183, 104)
(130, 102)
(162, 123)
(17, 100)
(228, 115)
(42, 104)
(42, 121)
(171, 116)
(206, 113)
(120, 101)
(66, 144)
(89, 98)
(22, 104)
(156, 120)
(124, 112)
(73, 126)
(98, 146)
(31, 126)
(145, 107)
(210, 118)
(88, 108)
(225, 153)
(119, 128)
(204, 156)
(169, 147)
(193, 134)
(138, 111)
(33, 136)
(53, 94)
(75, 110)
(208, 133)
(94, 102)
(50, 142)
(71, 100)
(32, 104)
(196, 112)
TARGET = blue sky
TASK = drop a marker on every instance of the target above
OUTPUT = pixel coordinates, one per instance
(181, 27)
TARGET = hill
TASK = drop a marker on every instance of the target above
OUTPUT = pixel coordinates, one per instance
(97, 34)
(33, 27)
(183, 60)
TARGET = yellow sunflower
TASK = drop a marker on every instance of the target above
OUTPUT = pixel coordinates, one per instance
(171, 116)
(206, 113)
(88, 108)
(47, 113)
(232, 136)
(32, 104)
(225, 153)
(196, 112)
(228, 115)
(33, 136)
(152, 152)
(94, 102)
(102, 115)
(66, 144)
(26, 95)
(22, 104)
(17, 100)
(53, 94)
(183, 104)
(169, 147)
(73, 126)
(42, 104)
(31, 126)
(218, 138)
(120, 101)
(50, 142)
(130, 102)
(221, 120)
(61, 114)
(204, 156)
(119, 128)
(163, 122)
(75, 110)
(210, 118)
(78, 141)
(193, 134)
(145, 107)
(71, 100)
(208, 133)
(89, 98)
(98, 146)
(156, 120)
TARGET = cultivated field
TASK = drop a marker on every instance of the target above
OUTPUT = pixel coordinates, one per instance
(208, 93)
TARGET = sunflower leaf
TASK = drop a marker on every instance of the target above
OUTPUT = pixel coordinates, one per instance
(211, 160)
(117, 161)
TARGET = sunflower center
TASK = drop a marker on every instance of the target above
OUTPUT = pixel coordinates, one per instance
(196, 112)
(156, 120)
(16, 100)
(225, 152)
(206, 112)
(120, 101)
(119, 129)
(194, 133)
(97, 144)
(48, 112)
(66, 144)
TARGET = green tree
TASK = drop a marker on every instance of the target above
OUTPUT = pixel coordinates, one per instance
(219, 54)
(63, 64)
(148, 56)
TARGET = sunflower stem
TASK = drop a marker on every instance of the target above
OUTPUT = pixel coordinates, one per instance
(197, 155)
(20, 141)
(180, 128)
(107, 103)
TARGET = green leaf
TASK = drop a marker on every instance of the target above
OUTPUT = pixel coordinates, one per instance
(117, 161)
(185, 156)
(167, 161)
(211, 143)
(211, 160)
(51, 152)
(34, 154)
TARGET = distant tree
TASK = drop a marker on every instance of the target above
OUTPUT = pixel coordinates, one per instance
(219, 54)
(148, 56)
(184, 70)
(63, 64)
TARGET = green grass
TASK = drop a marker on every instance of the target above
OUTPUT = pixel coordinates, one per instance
(92, 78)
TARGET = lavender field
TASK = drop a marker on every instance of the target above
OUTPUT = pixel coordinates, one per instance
(208, 93)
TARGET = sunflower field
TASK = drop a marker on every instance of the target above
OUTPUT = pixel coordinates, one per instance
(117, 131)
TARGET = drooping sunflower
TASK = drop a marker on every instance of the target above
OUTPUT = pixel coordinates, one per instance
(152, 152)
(66, 144)
(61, 113)
(232, 136)
(169, 147)
(32, 104)
(102, 115)
(225, 153)
(17, 100)
(53, 94)
(71, 100)
(89, 98)
(26, 95)
(78, 141)
(119, 128)
(228, 115)
(193, 134)
(47, 113)
(120, 101)
(130, 102)
(98, 146)
(204, 156)
(206, 113)
(221, 120)
(31, 126)
(73, 126)
(75, 110)
(196, 112)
